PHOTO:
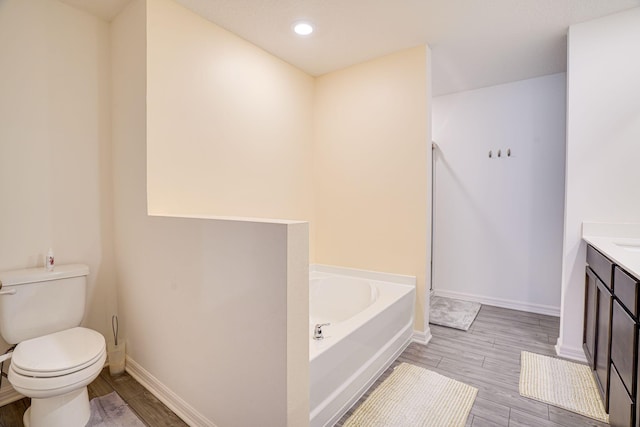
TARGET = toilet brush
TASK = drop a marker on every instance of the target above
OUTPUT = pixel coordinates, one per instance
(117, 353)
(114, 327)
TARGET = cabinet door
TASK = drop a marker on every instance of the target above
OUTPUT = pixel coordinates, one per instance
(621, 409)
(603, 340)
(623, 346)
(589, 329)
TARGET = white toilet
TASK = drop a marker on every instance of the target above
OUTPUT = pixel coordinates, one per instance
(54, 359)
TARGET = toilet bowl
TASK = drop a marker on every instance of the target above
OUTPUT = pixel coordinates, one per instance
(54, 359)
(54, 371)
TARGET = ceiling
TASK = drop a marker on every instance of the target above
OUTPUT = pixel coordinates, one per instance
(474, 43)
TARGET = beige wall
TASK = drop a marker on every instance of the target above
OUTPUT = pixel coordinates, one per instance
(184, 284)
(233, 131)
(55, 177)
(229, 125)
(215, 311)
(371, 154)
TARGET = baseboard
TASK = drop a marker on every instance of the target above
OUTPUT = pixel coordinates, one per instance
(572, 353)
(181, 408)
(8, 395)
(421, 337)
(500, 302)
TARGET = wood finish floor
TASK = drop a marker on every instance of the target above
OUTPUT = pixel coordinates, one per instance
(488, 357)
(148, 408)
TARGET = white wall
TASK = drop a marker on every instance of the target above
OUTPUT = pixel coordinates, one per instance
(215, 313)
(55, 163)
(498, 221)
(603, 148)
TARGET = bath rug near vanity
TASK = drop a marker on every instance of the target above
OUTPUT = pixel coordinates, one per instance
(111, 411)
(415, 397)
(561, 383)
(453, 313)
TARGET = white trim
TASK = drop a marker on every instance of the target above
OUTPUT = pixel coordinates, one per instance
(504, 303)
(364, 274)
(422, 337)
(572, 353)
(8, 394)
(181, 408)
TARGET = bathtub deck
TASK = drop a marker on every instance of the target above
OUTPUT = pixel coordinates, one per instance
(488, 358)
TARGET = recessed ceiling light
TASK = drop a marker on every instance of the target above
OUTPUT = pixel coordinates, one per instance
(303, 28)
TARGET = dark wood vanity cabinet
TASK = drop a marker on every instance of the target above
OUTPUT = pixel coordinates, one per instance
(597, 322)
(611, 336)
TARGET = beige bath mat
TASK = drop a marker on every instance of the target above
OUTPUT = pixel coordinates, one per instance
(561, 383)
(415, 397)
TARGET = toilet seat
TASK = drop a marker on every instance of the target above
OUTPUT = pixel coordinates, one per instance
(58, 354)
(58, 363)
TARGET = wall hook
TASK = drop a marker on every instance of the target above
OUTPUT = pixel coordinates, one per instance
(508, 152)
(499, 153)
(490, 154)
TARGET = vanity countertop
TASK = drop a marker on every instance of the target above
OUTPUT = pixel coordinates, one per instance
(619, 242)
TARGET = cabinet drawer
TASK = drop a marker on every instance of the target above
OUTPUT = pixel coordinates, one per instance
(621, 407)
(600, 264)
(623, 345)
(626, 290)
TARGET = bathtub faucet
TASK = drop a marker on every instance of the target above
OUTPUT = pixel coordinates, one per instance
(317, 331)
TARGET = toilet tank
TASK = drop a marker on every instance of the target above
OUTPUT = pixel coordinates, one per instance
(35, 302)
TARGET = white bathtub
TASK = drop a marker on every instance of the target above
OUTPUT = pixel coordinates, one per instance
(371, 323)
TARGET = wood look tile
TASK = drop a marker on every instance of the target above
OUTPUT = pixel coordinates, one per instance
(153, 412)
(99, 387)
(149, 409)
(522, 419)
(567, 418)
(488, 411)
(11, 414)
(481, 422)
(488, 357)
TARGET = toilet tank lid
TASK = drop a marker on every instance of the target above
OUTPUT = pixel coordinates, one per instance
(33, 275)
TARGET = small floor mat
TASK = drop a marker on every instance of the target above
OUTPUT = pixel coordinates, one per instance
(453, 313)
(415, 397)
(111, 411)
(561, 383)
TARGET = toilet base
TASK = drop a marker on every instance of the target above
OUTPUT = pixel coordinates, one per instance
(67, 410)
